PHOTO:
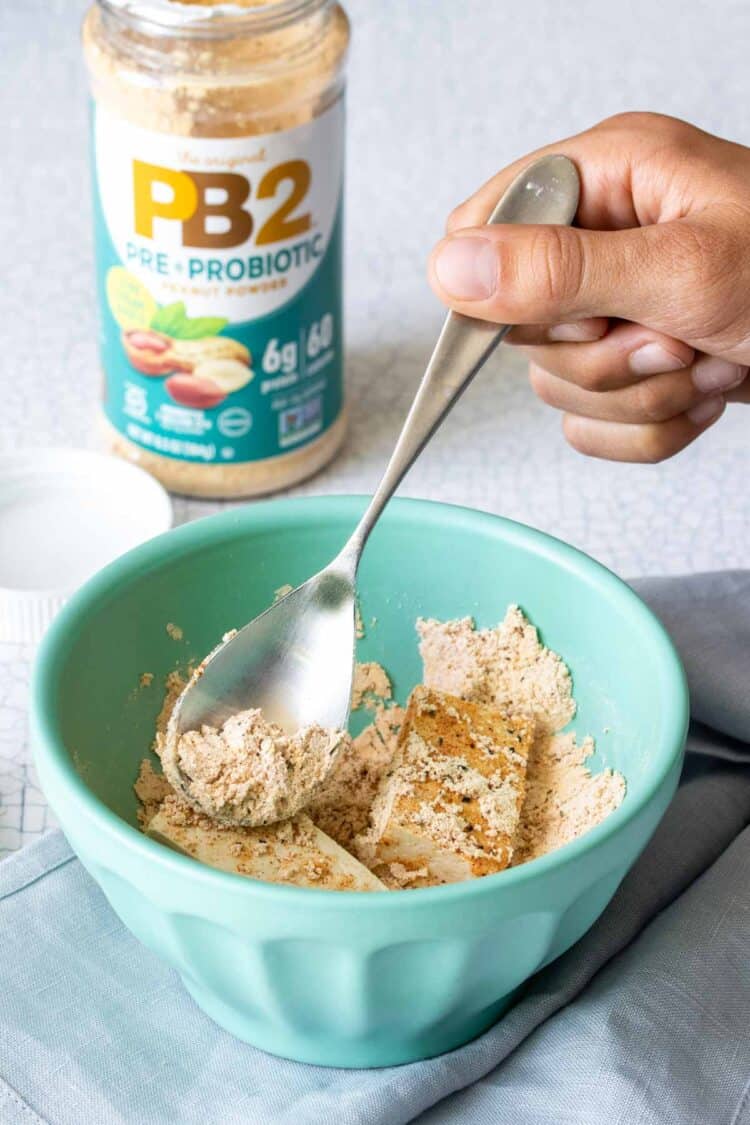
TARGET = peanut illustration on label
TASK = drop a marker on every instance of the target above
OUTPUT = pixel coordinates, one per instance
(203, 368)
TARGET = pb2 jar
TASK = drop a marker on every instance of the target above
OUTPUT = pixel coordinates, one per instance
(218, 170)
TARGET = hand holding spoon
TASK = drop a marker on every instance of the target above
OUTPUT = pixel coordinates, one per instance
(295, 662)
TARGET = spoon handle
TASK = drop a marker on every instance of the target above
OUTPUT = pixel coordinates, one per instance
(546, 191)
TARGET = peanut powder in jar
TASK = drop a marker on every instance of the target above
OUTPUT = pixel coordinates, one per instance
(218, 169)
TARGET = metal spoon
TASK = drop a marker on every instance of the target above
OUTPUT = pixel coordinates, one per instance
(295, 661)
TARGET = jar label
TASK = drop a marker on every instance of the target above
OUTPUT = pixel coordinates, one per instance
(219, 283)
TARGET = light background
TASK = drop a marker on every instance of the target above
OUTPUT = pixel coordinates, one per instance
(441, 95)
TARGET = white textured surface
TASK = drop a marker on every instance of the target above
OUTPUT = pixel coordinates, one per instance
(441, 95)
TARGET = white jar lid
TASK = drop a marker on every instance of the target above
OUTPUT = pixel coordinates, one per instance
(64, 514)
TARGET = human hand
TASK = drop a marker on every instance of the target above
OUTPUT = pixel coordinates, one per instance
(637, 322)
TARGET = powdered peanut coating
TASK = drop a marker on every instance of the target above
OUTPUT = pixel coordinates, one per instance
(506, 666)
(250, 771)
(564, 800)
(342, 807)
(371, 686)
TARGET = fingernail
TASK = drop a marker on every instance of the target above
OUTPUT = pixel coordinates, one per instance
(653, 359)
(713, 374)
(574, 333)
(706, 411)
(467, 268)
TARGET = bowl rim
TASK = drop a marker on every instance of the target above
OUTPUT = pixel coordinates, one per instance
(48, 746)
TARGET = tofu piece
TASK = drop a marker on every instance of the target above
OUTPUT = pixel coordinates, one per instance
(449, 808)
(293, 851)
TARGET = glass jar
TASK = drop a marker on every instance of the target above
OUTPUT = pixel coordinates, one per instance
(218, 171)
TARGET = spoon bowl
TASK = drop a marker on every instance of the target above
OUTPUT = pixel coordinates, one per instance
(295, 662)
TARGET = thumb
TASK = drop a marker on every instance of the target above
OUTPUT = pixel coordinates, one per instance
(662, 275)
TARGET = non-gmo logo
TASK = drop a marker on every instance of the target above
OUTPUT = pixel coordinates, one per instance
(234, 422)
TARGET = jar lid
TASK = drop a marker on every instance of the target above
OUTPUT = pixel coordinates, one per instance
(266, 15)
(65, 513)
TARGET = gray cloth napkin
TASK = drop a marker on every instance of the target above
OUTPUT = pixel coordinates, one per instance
(644, 1021)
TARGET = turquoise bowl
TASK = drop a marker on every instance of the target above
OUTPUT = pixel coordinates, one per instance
(353, 980)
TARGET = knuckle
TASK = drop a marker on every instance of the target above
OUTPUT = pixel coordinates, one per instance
(707, 259)
(629, 119)
(590, 380)
(716, 249)
(595, 379)
(654, 445)
(650, 402)
(700, 253)
(667, 129)
(556, 265)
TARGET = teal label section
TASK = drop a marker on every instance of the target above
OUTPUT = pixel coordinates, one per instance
(150, 353)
